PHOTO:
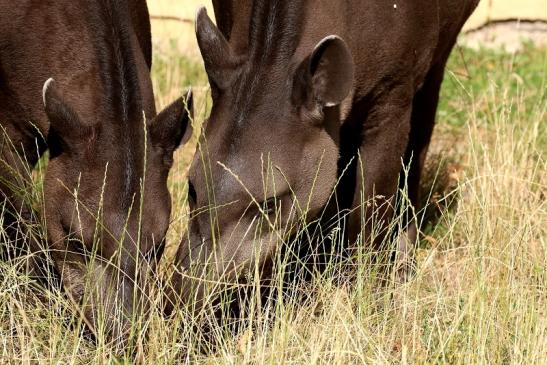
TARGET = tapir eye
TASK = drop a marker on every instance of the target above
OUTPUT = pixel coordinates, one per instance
(75, 244)
(271, 205)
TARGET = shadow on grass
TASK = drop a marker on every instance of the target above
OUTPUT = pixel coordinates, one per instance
(439, 193)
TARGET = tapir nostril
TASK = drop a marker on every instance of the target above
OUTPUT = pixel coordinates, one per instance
(192, 194)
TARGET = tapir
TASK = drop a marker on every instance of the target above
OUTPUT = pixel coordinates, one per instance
(320, 109)
(75, 80)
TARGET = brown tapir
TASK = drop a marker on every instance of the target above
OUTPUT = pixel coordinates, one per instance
(107, 205)
(315, 103)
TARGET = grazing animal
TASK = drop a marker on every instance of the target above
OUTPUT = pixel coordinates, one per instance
(316, 104)
(106, 200)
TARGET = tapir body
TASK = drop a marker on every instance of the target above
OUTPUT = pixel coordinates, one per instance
(338, 95)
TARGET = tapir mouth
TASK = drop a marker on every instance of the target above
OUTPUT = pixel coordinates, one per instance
(108, 299)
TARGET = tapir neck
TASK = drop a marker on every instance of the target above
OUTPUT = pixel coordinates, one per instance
(265, 31)
(90, 48)
(122, 68)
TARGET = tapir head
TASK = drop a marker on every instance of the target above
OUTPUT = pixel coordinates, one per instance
(267, 161)
(107, 205)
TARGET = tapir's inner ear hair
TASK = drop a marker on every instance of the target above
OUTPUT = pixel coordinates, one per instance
(45, 88)
(217, 53)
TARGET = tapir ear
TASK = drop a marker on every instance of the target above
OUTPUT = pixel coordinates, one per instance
(215, 50)
(326, 76)
(66, 128)
(172, 126)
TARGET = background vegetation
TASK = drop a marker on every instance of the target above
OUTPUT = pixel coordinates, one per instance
(479, 294)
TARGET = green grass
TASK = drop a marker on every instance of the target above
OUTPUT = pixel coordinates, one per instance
(163, 66)
(479, 293)
(471, 74)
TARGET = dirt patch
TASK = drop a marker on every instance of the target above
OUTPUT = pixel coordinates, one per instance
(509, 35)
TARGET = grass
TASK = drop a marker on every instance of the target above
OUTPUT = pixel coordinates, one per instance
(471, 73)
(479, 293)
(166, 32)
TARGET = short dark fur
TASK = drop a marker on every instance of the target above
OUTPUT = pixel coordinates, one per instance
(284, 87)
(98, 54)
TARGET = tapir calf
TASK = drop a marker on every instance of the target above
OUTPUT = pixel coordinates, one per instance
(106, 203)
(317, 104)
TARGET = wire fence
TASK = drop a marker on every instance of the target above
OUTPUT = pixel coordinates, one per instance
(172, 18)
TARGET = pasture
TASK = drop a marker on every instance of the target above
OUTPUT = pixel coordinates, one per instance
(479, 294)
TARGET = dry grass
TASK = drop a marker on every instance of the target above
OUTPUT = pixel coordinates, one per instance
(167, 32)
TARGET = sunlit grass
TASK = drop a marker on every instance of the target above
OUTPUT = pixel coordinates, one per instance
(479, 293)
